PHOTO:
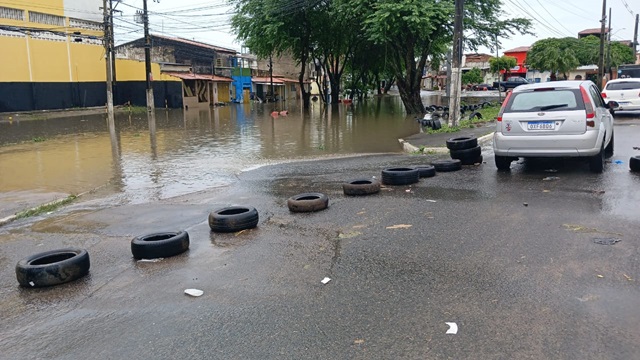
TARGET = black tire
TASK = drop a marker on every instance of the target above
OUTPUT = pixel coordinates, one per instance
(361, 187)
(400, 176)
(308, 202)
(159, 245)
(436, 124)
(634, 163)
(503, 162)
(462, 142)
(475, 114)
(608, 151)
(447, 165)
(486, 104)
(445, 115)
(424, 122)
(466, 154)
(596, 162)
(233, 218)
(53, 267)
(502, 88)
(426, 170)
(471, 160)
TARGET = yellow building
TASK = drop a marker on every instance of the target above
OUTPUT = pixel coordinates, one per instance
(53, 57)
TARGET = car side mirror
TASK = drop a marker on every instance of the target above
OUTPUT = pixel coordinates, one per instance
(613, 105)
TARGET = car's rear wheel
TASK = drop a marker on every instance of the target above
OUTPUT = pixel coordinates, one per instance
(609, 149)
(503, 162)
(502, 88)
(596, 162)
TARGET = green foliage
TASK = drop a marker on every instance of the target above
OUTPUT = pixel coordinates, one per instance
(46, 207)
(554, 55)
(473, 76)
(38, 139)
(502, 63)
(589, 49)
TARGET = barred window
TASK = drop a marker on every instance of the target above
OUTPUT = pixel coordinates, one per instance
(13, 14)
(48, 19)
(85, 24)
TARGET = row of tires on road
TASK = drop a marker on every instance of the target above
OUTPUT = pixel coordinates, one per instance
(64, 265)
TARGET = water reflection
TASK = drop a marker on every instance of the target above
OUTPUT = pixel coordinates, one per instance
(185, 151)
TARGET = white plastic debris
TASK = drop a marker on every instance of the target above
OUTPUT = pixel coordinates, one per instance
(429, 200)
(453, 328)
(194, 292)
(150, 260)
(31, 283)
(325, 280)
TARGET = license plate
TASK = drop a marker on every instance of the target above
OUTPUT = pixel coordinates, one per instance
(623, 103)
(541, 125)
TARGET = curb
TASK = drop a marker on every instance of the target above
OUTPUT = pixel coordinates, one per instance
(409, 148)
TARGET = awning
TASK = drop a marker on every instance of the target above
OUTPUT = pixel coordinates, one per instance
(190, 76)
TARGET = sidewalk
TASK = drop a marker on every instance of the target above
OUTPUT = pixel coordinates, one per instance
(438, 142)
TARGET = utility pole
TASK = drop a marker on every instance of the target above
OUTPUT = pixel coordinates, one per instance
(114, 84)
(609, 49)
(499, 93)
(448, 84)
(601, 57)
(147, 58)
(635, 36)
(273, 97)
(454, 99)
(107, 59)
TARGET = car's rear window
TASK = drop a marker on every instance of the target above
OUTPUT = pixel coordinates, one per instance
(548, 100)
(623, 85)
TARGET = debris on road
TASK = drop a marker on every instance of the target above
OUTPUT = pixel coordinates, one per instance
(618, 162)
(150, 260)
(583, 229)
(399, 226)
(194, 292)
(600, 276)
(627, 277)
(358, 341)
(606, 241)
(551, 171)
(551, 178)
(325, 280)
(525, 204)
(349, 234)
(429, 200)
(453, 328)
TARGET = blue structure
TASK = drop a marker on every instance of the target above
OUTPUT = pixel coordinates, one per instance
(241, 83)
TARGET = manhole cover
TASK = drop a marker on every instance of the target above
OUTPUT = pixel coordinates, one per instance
(606, 241)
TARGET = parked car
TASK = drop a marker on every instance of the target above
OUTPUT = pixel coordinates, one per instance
(626, 92)
(480, 87)
(510, 83)
(554, 119)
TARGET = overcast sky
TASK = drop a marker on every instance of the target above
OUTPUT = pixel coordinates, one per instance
(208, 21)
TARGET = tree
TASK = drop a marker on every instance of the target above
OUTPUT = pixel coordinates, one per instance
(558, 56)
(589, 50)
(502, 63)
(412, 31)
(473, 76)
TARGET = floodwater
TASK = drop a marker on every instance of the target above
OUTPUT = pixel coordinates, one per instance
(189, 150)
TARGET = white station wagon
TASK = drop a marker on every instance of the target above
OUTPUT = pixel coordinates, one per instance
(554, 119)
(626, 92)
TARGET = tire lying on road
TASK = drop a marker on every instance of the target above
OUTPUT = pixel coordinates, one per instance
(233, 218)
(467, 156)
(361, 187)
(462, 142)
(159, 245)
(400, 176)
(447, 165)
(425, 170)
(53, 267)
(634, 163)
(308, 202)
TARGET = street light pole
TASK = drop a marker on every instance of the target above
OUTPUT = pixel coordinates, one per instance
(602, 35)
(147, 59)
(609, 49)
(107, 60)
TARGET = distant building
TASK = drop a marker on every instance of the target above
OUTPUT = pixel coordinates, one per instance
(520, 53)
(592, 32)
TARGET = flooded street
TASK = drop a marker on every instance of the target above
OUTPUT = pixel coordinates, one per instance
(190, 150)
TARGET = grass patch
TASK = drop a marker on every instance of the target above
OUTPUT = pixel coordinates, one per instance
(38, 139)
(52, 206)
(489, 114)
(137, 110)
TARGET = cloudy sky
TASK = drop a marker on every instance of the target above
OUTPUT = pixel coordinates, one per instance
(208, 21)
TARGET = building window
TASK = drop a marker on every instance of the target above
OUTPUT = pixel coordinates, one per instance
(218, 62)
(45, 35)
(48, 19)
(13, 14)
(293, 87)
(84, 24)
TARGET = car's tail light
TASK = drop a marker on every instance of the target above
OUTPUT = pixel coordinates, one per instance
(604, 95)
(587, 104)
(504, 105)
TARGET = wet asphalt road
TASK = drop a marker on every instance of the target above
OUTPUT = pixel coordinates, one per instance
(521, 282)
